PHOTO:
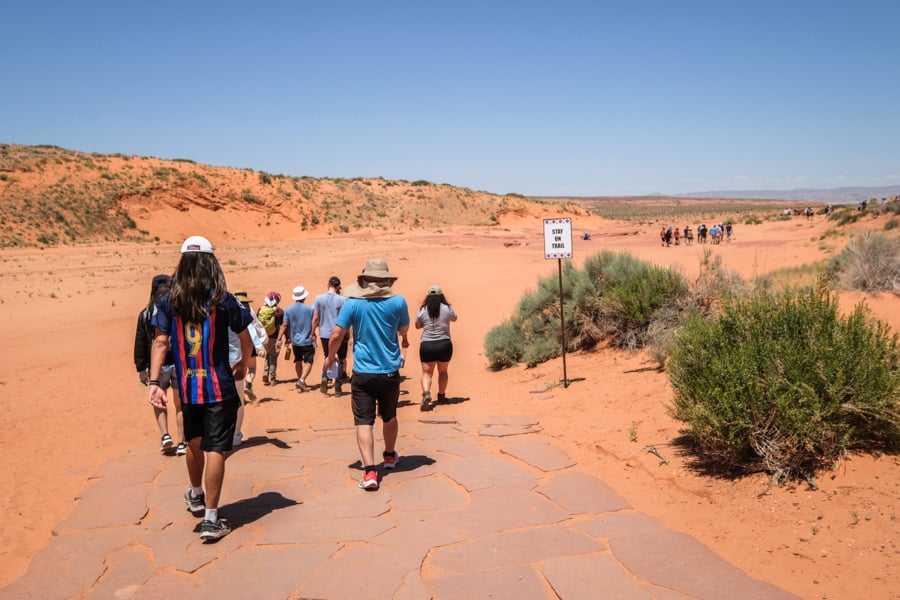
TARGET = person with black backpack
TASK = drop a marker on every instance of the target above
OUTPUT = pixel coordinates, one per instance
(143, 338)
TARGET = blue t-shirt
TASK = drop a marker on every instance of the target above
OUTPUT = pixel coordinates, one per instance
(201, 349)
(375, 322)
(299, 316)
(329, 305)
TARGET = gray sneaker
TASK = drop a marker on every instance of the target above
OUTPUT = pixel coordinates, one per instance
(302, 385)
(197, 505)
(214, 530)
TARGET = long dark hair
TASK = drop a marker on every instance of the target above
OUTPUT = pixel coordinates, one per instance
(158, 288)
(433, 303)
(198, 283)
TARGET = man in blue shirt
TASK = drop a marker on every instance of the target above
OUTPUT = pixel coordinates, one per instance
(377, 317)
(298, 322)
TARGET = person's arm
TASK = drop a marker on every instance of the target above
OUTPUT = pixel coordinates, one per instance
(141, 354)
(241, 368)
(334, 343)
(282, 336)
(315, 319)
(402, 332)
(157, 397)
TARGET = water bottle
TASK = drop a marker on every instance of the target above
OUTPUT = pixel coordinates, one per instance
(333, 371)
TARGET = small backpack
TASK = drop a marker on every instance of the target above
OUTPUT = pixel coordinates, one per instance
(266, 316)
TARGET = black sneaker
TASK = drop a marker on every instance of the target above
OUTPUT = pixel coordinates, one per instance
(213, 531)
(197, 505)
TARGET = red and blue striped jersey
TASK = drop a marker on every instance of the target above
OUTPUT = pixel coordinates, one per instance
(200, 350)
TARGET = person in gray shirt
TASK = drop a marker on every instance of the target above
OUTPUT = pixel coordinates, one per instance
(325, 311)
(436, 349)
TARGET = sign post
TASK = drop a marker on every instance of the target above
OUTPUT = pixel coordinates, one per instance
(558, 245)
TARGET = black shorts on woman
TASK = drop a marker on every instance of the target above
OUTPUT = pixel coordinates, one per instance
(436, 351)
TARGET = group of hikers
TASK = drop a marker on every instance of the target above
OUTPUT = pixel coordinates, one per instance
(202, 342)
(669, 235)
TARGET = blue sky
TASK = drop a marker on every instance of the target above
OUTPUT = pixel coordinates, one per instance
(538, 98)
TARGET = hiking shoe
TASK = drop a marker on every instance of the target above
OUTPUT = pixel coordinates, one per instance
(370, 481)
(323, 387)
(338, 392)
(441, 398)
(248, 391)
(210, 530)
(302, 385)
(196, 505)
(426, 402)
(390, 460)
(166, 445)
(181, 449)
(265, 379)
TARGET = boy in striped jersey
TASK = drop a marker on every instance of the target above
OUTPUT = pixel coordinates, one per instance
(196, 314)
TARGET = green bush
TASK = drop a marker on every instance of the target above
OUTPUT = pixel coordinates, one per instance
(615, 298)
(504, 345)
(785, 384)
(869, 263)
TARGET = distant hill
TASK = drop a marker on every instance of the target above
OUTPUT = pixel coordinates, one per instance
(842, 195)
(51, 196)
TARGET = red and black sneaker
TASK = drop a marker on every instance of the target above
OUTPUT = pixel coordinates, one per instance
(390, 459)
(370, 481)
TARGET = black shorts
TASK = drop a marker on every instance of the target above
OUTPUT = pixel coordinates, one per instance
(342, 351)
(304, 353)
(213, 422)
(370, 389)
(436, 351)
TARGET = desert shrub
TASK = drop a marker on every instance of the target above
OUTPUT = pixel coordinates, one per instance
(846, 216)
(504, 345)
(869, 263)
(615, 298)
(891, 223)
(785, 384)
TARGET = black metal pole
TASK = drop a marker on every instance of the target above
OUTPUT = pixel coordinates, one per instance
(562, 318)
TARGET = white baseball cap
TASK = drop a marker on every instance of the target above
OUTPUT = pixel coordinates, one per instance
(197, 243)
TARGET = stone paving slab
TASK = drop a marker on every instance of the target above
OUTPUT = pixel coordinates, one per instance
(513, 548)
(512, 583)
(107, 504)
(478, 472)
(127, 571)
(596, 576)
(537, 452)
(579, 493)
(676, 560)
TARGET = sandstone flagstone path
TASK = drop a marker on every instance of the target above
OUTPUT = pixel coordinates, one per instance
(486, 509)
